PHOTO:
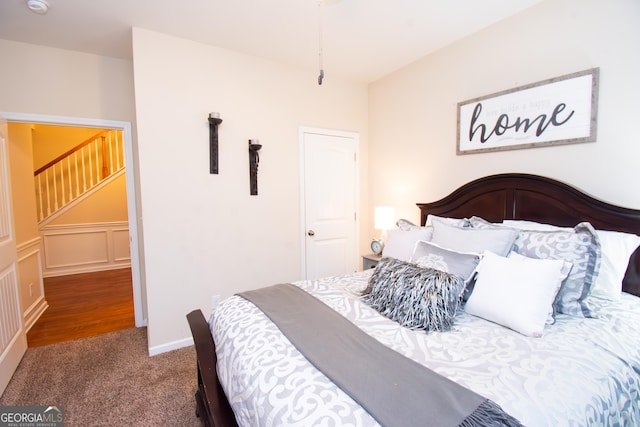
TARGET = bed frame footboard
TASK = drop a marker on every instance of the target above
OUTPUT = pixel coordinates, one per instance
(213, 408)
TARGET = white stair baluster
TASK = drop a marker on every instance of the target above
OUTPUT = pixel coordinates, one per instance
(90, 167)
(62, 192)
(48, 197)
(110, 154)
(84, 172)
(75, 162)
(39, 189)
(55, 188)
(118, 145)
(69, 177)
(98, 167)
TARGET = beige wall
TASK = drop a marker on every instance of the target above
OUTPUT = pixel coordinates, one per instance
(43, 80)
(413, 111)
(22, 184)
(204, 234)
(25, 222)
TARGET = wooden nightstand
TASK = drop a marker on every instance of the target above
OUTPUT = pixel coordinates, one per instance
(370, 261)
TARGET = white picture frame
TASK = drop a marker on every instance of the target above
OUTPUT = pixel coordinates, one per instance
(557, 111)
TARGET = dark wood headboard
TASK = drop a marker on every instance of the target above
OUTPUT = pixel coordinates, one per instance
(536, 198)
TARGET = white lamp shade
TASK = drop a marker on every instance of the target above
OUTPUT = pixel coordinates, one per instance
(384, 218)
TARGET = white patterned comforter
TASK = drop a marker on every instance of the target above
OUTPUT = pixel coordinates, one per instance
(582, 372)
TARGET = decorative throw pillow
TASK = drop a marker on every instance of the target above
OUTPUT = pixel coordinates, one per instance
(516, 292)
(430, 255)
(579, 246)
(458, 222)
(400, 243)
(616, 249)
(406, 225)
(522, 224)
(415, 297)
(495, 239)
(479, 222)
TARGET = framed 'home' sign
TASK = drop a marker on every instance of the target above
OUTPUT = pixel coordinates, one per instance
(557, 111)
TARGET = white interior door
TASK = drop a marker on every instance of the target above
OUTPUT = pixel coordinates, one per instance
(330, 202)
(13, 339)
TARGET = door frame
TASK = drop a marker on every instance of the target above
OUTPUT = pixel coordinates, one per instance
(302, 130)
(130, 176)
(14, 344)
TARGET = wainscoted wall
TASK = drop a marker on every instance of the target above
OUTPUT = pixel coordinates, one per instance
(30, 282)
(80, 248)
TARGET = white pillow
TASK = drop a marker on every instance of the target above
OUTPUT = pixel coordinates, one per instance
(516, 292)
(616, 248)
(476, 240)
(400, 243)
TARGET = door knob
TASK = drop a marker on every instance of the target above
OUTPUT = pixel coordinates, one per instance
(311, 233)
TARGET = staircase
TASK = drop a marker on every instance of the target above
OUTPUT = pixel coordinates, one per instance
(71, 176)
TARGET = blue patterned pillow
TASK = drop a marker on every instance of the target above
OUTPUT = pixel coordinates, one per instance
(579, 246)
(415, 297)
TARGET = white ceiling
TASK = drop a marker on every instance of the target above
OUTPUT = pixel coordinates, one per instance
(362, 39)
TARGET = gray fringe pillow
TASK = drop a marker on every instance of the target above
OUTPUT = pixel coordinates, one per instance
(415, 297)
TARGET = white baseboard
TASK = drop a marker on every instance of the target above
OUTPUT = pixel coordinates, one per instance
(85, 269)
(33, 313)
(174, 345)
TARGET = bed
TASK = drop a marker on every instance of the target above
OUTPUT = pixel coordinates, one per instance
(581, 367)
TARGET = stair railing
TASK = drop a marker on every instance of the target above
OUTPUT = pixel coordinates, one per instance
(75, 172)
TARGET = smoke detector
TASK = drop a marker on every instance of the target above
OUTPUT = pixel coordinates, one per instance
(38, 6)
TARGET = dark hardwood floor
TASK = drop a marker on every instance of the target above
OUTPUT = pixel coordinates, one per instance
(84, 305)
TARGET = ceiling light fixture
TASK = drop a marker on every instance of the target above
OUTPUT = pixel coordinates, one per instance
(38, 6)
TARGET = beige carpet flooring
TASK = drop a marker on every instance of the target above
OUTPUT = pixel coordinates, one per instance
(108, 380)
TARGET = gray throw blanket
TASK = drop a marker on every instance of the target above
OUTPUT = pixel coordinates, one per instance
(394, 389)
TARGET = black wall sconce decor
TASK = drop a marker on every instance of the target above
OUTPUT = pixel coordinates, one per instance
(214, 121)
(254, 159)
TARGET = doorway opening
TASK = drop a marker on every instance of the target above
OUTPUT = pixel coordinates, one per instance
(131, 197)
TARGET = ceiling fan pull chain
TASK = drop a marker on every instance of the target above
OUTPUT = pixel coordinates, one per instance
(321, 75)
